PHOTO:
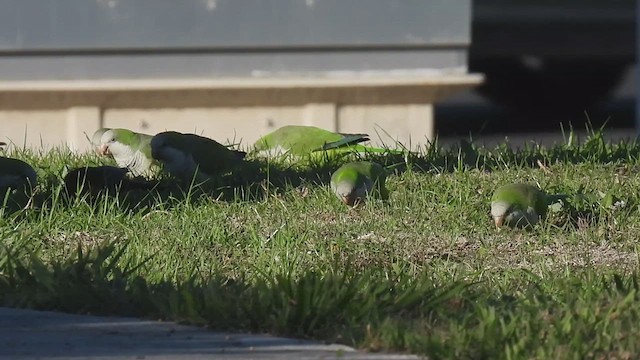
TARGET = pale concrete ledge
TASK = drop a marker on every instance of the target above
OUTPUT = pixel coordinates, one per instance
(57, 112)
(231, 92)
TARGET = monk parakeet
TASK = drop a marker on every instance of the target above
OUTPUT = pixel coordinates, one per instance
(354, 181)
(95, 180)
(129, 149)
(518, 205)
(301, 141)
(190, 157)
(16, 174)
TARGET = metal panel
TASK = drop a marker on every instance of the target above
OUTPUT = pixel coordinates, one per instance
(53, 25)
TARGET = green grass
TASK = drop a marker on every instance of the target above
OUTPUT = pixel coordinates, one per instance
(425, 272)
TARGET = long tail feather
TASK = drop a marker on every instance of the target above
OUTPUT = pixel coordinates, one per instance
(369, 149)
(348, 139)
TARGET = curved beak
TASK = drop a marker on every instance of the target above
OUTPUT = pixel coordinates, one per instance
(499, 221)
(103, 150)
(352, 201)
(347, 200)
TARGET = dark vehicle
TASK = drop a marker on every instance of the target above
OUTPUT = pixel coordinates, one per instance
(560, 56)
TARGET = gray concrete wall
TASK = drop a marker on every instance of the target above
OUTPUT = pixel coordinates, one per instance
(81, 39)
(228, 69)
(61, 25)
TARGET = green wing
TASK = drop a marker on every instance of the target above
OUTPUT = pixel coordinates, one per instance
(346, 140)
(378, 174)
(145, 145)
(540, 202)
(357, 148)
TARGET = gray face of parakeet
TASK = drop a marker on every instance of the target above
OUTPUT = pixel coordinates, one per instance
(350, 194)
(110, 145)
(506, 213)
(96, 140)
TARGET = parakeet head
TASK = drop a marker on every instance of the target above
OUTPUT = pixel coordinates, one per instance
(118, 142)
(350, 193)
(500, 209)
(350, 186)
(517, 205)
(96, 139)
(354, 181)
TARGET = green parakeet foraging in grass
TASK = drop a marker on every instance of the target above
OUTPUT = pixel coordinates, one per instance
(518, 205)
(99, 179)
(16, 174)
(129, 149)
(190, 157)
(301, 141)
(354, 181)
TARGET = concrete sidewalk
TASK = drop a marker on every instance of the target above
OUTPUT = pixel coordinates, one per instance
(29, 334)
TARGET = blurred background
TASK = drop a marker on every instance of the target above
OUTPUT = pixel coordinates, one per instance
(548, 65)
(233, 69)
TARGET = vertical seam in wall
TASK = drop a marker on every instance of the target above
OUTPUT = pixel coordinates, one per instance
(336, 116)
(101, 112)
